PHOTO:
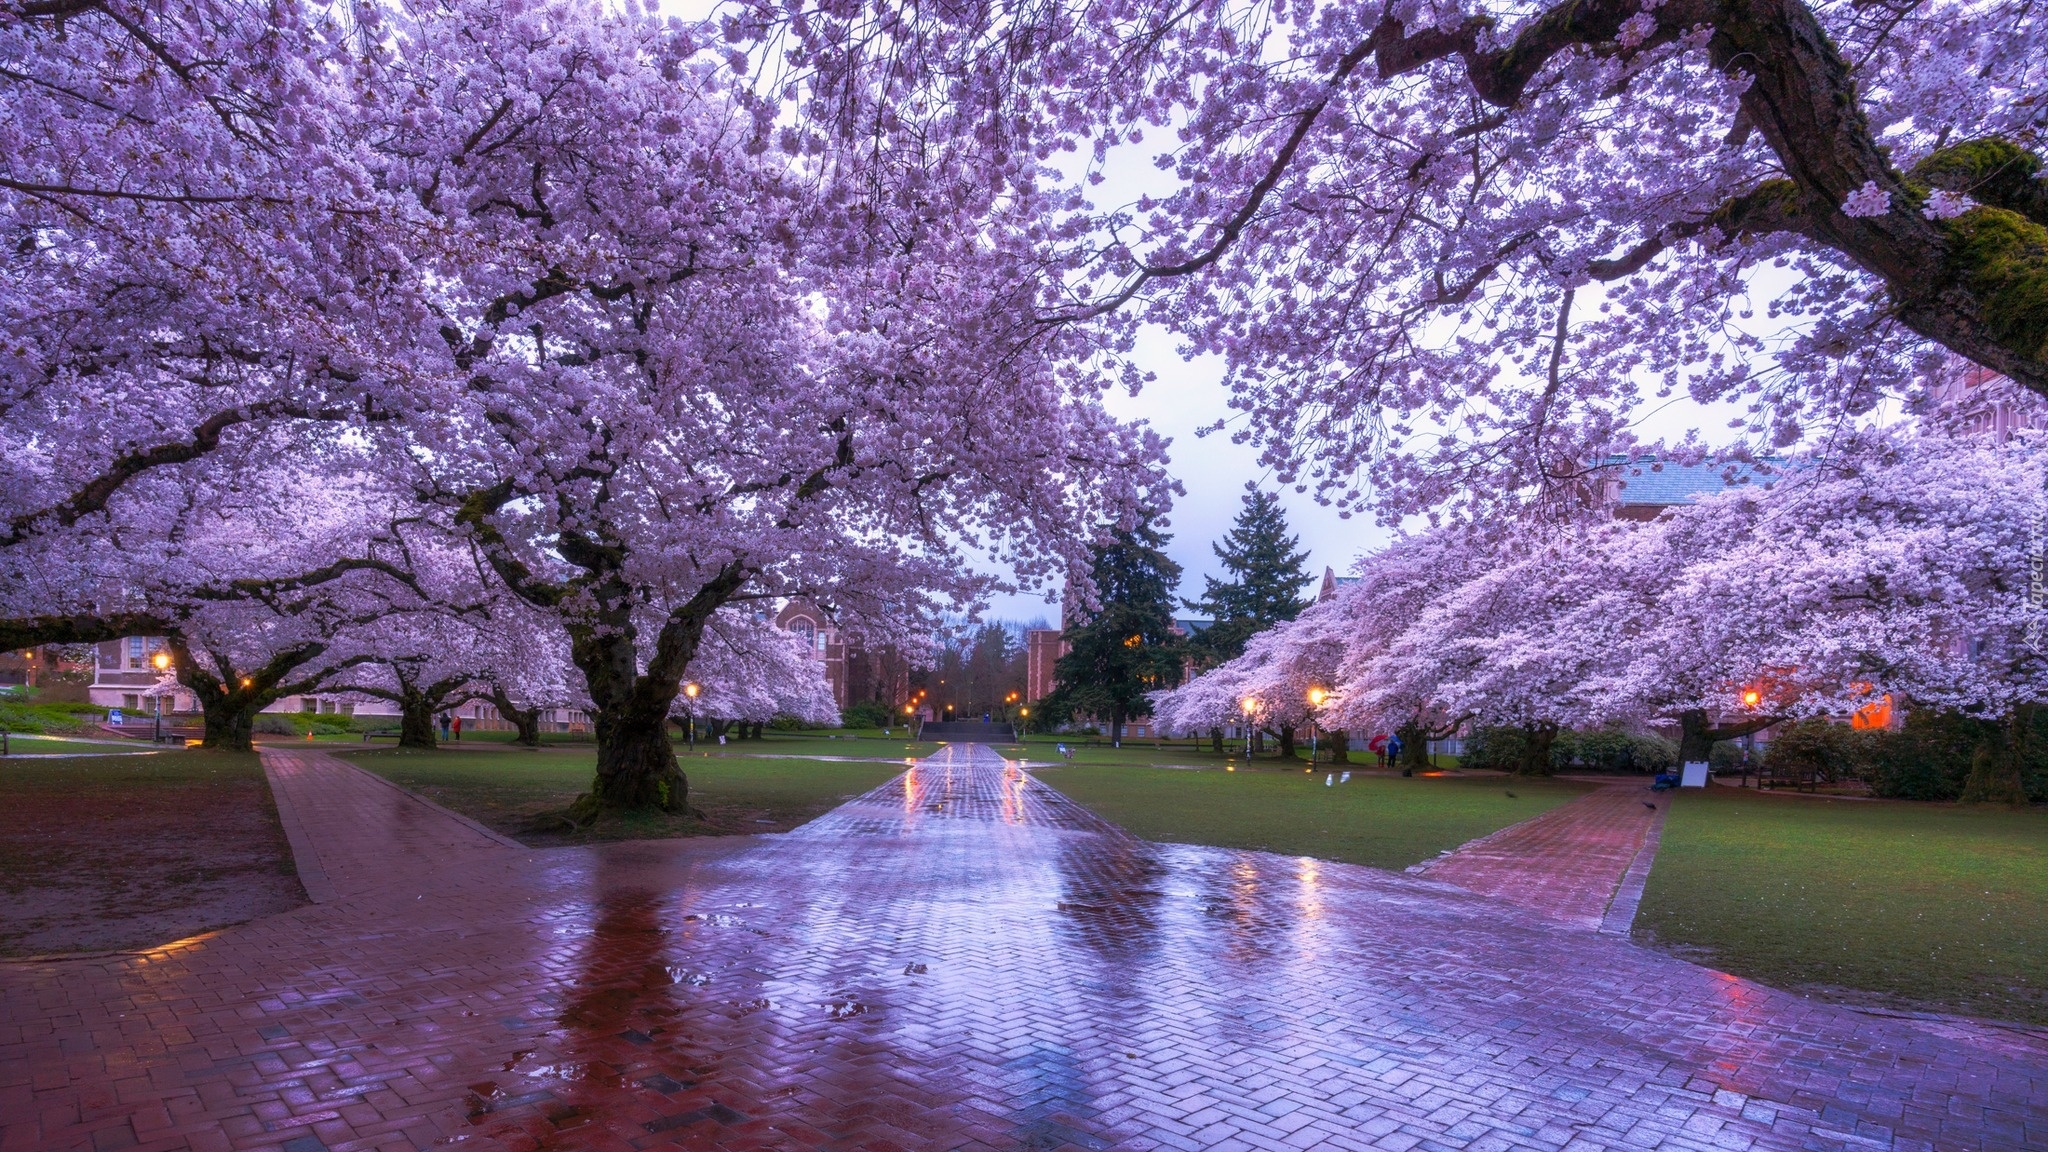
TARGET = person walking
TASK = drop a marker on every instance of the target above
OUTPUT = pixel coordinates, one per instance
(444, 725)
(458, 727)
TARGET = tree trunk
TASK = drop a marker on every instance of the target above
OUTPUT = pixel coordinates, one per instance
(527, 720)
(416, 722)
(1340, 746)
(1116, 727)
(1995, 770)
(636, 768)
(636, 763)
(1216, 739)
(230, 721)
(1286, 738)
(1414, 748)
(1536, 741)
(718, 728)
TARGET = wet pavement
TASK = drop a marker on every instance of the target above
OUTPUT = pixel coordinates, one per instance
(1574, 863)
(960, 959)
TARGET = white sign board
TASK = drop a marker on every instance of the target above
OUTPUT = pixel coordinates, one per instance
(1695, 774)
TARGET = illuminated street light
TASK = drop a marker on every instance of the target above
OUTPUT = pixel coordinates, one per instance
(1316, 696)
(690, 690)
(162, 661)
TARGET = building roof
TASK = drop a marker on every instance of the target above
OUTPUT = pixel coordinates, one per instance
(1193, 626)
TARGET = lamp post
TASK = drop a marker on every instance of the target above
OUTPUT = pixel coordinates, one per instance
(1248, 706)
(162, 661)
(690, 691)
(1023, 722)
(1750, 699)
(1316, 696)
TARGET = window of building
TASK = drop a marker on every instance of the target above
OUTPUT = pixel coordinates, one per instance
(347, 708)
(135, 652)
(131, 701)
(309, 704)
(804, 628)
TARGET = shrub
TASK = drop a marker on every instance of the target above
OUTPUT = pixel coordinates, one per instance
(274, 726)
(1819, 749)
(867, 714)
(1494, 748)
(1615, 750)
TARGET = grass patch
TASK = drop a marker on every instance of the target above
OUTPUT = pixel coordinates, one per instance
(111, 852)
(1921, 905)
(18, 716)
(513, 791)
(39, 745)
(1382, 821)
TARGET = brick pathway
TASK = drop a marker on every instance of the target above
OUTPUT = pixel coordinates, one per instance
(959, 959)
(1568, 863)
(326, 804)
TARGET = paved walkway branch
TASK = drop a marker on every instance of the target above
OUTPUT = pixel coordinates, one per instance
(1568, 863)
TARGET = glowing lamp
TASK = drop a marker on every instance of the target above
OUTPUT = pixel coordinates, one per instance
(162, 660)
(1750, 697)
(691, 689)
(1316, 696)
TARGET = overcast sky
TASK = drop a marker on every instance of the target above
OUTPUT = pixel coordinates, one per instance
(1187, 396)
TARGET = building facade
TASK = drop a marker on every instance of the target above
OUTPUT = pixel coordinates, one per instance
(856, 672)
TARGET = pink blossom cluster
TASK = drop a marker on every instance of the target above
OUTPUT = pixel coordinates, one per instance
(1908, 565)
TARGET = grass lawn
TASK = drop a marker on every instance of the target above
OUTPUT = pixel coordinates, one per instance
(740, 788)
(1922, 905)
(111, 852)
(1383, 821)
(43, 745)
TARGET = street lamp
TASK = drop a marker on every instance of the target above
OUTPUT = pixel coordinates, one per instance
(690, 690)
(1316, 696)
(1249, 706)
(162, 661)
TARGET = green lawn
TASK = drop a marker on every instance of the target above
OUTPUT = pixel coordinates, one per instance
(1383, 821)
(39, 745)
(1929, 905)
(738, 790)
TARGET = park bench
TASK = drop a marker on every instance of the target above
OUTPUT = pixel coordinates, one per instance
(380, 734)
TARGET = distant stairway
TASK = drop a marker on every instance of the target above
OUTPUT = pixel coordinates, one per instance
(967, 732)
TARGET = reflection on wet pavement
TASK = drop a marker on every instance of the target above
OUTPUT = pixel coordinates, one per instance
(960, 958)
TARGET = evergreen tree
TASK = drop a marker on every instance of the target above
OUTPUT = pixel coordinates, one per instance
(1267, 573)
(1127, 647)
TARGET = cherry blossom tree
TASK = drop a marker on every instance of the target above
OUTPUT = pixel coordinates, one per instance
(199, 271)
(1285, 674)
(750, 671)
(1463, 244)
(694, 376)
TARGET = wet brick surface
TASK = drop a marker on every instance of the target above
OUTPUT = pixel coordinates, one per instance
(960, 959)
(1566, 863)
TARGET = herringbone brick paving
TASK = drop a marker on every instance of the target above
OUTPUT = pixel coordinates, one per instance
(960, 959)
(1566, 863)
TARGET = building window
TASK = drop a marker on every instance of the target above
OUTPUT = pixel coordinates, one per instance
(135, 652)
(804, 628)
(131, 701)
(348, 708)
(309, 704)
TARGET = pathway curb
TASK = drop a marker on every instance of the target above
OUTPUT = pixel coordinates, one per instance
(1620, 918)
